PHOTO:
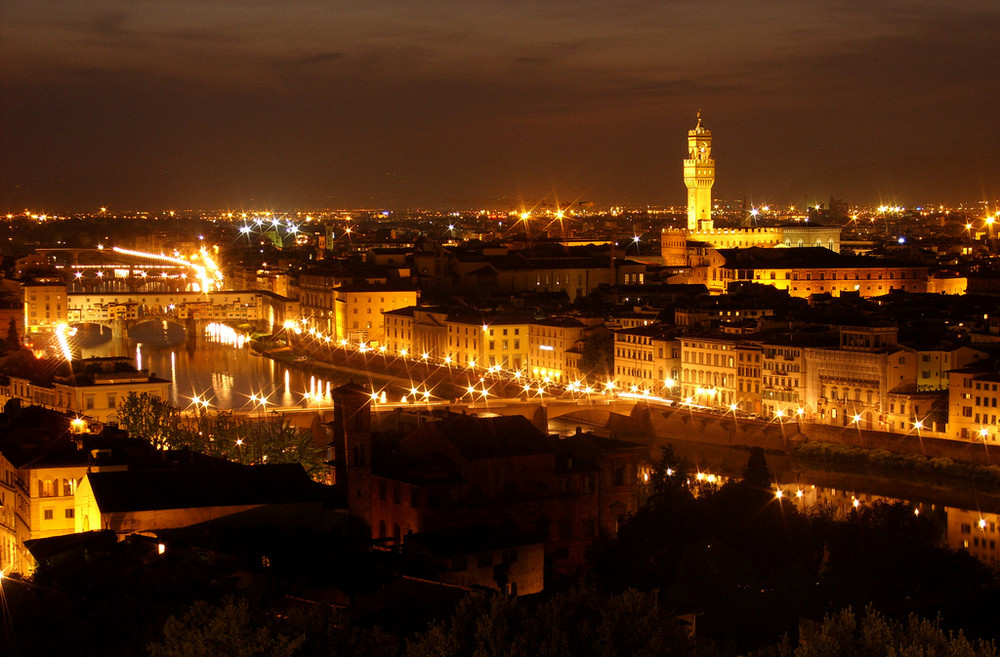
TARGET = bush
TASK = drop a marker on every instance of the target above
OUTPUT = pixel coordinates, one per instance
(856, 457)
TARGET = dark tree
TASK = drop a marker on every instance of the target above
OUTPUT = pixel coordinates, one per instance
(874, 635)
(580, 622)
(12, 342)
(884, 553)
(151, 418)
(668, 478)
(598, 356)
(757, 474)
(230, 629)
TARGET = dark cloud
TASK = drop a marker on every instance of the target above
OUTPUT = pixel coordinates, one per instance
(212, 103)
(316, 58)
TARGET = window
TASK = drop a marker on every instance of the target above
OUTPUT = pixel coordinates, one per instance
(47, 514)
(459, 564)
(510, 556)
(588, 483)
(70, 513)
(485, 560)
(589, 528)
(618, 477)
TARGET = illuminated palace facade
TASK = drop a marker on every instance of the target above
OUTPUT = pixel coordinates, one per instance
(679, 247)
(800, 258)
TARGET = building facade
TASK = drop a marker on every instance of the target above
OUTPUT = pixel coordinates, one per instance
(90, 388)
(45, 306)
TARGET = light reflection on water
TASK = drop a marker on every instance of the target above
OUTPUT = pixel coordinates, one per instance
(969, 519)
(975, 531)
(225, 374)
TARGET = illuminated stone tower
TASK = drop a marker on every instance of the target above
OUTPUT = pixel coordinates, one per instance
(699, 176)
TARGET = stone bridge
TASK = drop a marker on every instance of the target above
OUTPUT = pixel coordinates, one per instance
(120, 326)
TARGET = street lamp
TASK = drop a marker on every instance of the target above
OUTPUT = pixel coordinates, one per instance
(917, 426)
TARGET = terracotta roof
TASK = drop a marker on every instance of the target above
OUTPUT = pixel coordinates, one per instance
(492, 437)
(808, 257)
(186, 488)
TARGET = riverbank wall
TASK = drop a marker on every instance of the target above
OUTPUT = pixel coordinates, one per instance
(656, 426)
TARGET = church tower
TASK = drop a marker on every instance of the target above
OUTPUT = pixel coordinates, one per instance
(352, 444)
(699, 176)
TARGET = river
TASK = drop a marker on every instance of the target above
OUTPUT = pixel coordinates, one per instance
(229, 377)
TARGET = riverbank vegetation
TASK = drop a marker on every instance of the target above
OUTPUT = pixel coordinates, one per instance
(919, 467)
(251, 440)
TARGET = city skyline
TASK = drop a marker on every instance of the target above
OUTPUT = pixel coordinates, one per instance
(292, 105)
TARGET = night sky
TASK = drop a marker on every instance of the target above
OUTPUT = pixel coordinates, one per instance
(281, 105)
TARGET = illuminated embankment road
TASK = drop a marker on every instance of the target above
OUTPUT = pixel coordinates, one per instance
(408, 380)
(416, 383)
